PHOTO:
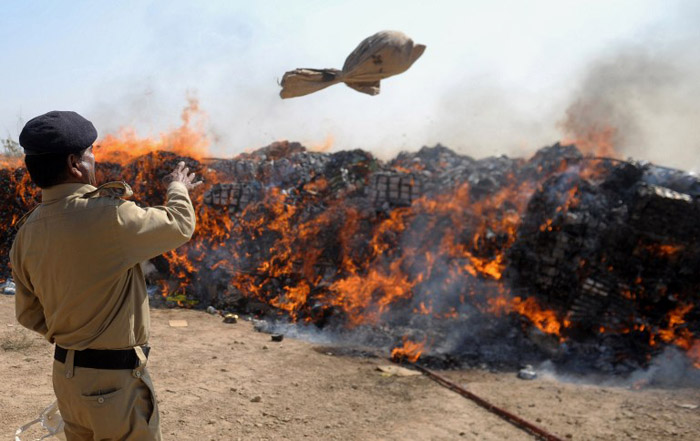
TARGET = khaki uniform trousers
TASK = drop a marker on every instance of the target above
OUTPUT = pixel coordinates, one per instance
(106, 404)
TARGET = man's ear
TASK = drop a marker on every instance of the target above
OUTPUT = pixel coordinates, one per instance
(74, 166)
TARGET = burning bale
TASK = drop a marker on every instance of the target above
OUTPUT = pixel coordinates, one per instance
(498, 260)
(615, 254)
(18, 196)
(236, 196)
(394, 189)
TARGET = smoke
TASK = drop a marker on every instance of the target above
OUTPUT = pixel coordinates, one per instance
(636, 80)
(481, 117)
(669, 369)
(645, 101)
(635, 100)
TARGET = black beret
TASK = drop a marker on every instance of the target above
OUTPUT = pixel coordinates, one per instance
(57, 132)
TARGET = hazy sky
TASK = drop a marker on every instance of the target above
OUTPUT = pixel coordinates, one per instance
(496, 77)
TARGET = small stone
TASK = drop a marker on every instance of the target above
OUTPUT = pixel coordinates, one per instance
(277, 337)
(9, 288)
(256, 399)
(264, 347)
(211, 310)
(527, 373)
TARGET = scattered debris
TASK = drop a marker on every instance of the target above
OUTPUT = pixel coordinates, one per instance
(8, 287)
(178, 323)
(50, 420)
(527, 373)
(230, 318)
(398, 371)
(687, 406)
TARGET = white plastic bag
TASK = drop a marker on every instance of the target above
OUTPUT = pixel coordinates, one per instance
(51, 420)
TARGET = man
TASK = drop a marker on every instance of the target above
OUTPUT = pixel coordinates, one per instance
(75, 262)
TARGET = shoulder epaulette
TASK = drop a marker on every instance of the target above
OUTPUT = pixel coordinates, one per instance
(23, 219)
(114, 189)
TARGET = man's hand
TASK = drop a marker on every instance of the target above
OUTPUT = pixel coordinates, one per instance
(181, 174)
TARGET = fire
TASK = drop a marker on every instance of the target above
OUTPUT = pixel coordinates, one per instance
(545, 320)
(326, 146)
(10, 162)
(187, 140)
(664, 250)
(422, 309)
(675, 333)
(417, 258)
(410, 351)
(591, 134)
(598, 142)
(293, 298)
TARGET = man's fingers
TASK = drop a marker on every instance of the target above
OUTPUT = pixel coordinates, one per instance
(182, 174)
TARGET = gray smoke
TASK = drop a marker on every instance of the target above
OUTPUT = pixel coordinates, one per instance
(649, 101)
(669, 369)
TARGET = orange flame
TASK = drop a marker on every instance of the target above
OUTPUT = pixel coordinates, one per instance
(364, 284)
(10, 162)
(675, 333)
(545, 320)
(326, 146)
(185, 140)
(664, 250)
(410, 351)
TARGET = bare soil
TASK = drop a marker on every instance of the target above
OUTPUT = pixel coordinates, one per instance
(218, 381)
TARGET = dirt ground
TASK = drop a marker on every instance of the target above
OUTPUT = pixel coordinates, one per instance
(218, 381)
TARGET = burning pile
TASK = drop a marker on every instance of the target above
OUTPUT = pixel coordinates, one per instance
(496, 260)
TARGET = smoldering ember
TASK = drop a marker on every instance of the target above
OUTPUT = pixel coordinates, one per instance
(591, 263)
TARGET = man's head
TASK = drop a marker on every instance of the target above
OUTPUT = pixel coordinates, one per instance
(58, 149)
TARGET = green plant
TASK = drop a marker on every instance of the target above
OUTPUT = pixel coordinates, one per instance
(181, 299)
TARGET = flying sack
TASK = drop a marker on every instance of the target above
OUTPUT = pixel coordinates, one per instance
(379, 56)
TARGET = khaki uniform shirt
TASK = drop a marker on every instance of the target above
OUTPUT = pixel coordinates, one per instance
(76, 264)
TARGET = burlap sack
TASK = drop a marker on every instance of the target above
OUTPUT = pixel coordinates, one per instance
(379, 56)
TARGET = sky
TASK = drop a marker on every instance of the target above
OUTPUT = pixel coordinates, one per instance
(497, 77)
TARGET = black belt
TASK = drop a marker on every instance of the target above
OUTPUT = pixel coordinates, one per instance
(102, 358)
